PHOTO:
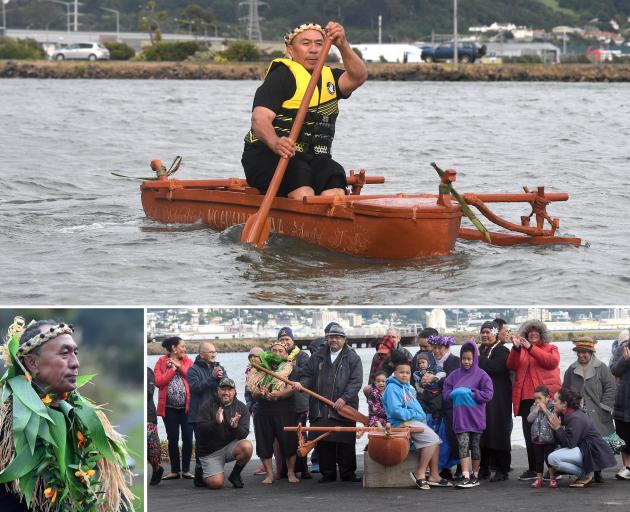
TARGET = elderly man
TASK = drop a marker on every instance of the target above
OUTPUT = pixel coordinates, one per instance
(335, 372)
(299, 358)
(222, 427)
(203, 378)
(311, 170)
(395, 333)
(42, 417)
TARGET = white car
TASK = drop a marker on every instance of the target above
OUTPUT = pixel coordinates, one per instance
(85, 51)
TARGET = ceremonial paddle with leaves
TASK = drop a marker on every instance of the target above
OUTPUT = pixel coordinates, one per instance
(257, 227)
(346, 411)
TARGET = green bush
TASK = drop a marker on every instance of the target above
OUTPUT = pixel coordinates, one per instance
(574, 58)
(523, 59)
(20, 49)
(172, 50)
(119, 51)
(241, 51)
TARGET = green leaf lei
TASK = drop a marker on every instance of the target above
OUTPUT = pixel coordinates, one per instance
(60, 445)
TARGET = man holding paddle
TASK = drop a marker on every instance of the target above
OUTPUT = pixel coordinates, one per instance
(310, 169)
(335, 372)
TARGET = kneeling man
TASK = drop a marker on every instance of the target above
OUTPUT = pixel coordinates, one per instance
(223, 425)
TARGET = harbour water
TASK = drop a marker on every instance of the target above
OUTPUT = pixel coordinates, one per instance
(236, 362)
(70, 233)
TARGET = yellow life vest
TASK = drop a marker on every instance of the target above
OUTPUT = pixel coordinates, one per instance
(318, 130)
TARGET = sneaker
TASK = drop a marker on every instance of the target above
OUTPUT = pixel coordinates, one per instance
(553, 483)
(262, 471)
(623, 474)
(458, 477)
(467, 483)
(528, 475)
(538, 483)
(421, 484)
(474, 480)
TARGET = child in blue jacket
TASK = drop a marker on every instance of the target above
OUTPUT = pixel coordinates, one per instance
(403, 409)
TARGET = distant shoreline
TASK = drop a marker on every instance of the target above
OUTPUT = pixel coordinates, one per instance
(377, 72)
(244, 345)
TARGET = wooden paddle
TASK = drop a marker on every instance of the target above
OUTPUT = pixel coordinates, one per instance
(257, 227)
(346, 411)
(465, 208)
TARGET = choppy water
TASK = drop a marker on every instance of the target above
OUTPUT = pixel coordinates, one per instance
(235, 363)
(71, 233)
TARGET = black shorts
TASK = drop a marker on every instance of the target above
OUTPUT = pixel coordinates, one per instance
(270, 427)
(320, 172)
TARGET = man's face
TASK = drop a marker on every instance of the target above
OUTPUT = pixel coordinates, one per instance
(57, 366)
(423, 344)
(279, 350)
(394, 334)
(487, 338)
(584, 356)
(306, 48)
(286, 339)
(226, 395)
(335, 342)
(209, 353)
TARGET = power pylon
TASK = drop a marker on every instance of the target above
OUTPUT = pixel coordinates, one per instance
(253, 20)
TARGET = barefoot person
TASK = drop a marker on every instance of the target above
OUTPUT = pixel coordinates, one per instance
(223, 426)
(311, 169)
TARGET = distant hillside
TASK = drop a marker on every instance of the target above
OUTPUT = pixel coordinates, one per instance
(402, 19)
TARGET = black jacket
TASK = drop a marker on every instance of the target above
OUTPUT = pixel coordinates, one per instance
(342, 379)
(620, 368)
(213, 436)
(202, 385)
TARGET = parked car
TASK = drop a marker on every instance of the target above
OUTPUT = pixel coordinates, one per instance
(466, 52)
(87, 51)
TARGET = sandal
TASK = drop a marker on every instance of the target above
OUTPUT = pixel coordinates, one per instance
(579, 483)
(422, 484)
(188, 476)
(171, 476)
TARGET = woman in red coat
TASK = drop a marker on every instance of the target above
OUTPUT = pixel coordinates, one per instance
(536, 362)
(171, 378)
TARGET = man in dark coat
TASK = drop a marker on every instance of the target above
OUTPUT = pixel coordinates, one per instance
(203, 378)
(335, 372)
(496, 443)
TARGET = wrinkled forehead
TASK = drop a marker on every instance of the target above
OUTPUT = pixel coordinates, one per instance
(308, 36)
(59, 344)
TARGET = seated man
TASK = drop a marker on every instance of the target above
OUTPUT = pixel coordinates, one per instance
(403, 409)
(311, 169)
(223, 425)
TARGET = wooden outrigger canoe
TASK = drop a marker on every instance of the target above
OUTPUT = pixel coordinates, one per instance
(385, 226)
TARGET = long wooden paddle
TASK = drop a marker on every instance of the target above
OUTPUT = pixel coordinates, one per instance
(346, 411)
(465, 208)
(256, 229)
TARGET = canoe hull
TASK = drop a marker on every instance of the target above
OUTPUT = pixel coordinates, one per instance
(399, 228)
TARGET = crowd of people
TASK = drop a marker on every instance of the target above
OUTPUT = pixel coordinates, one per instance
(464, 406)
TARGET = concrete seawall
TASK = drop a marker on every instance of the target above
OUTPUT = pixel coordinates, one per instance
(255, 71)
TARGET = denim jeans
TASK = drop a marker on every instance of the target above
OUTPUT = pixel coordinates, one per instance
(567, 460)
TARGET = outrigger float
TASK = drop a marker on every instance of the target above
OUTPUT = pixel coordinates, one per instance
(386, 226)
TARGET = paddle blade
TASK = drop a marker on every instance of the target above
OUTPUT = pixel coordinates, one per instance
(256, 230)
(352, 414)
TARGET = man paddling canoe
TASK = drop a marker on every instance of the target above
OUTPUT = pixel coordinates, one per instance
(311, 170)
